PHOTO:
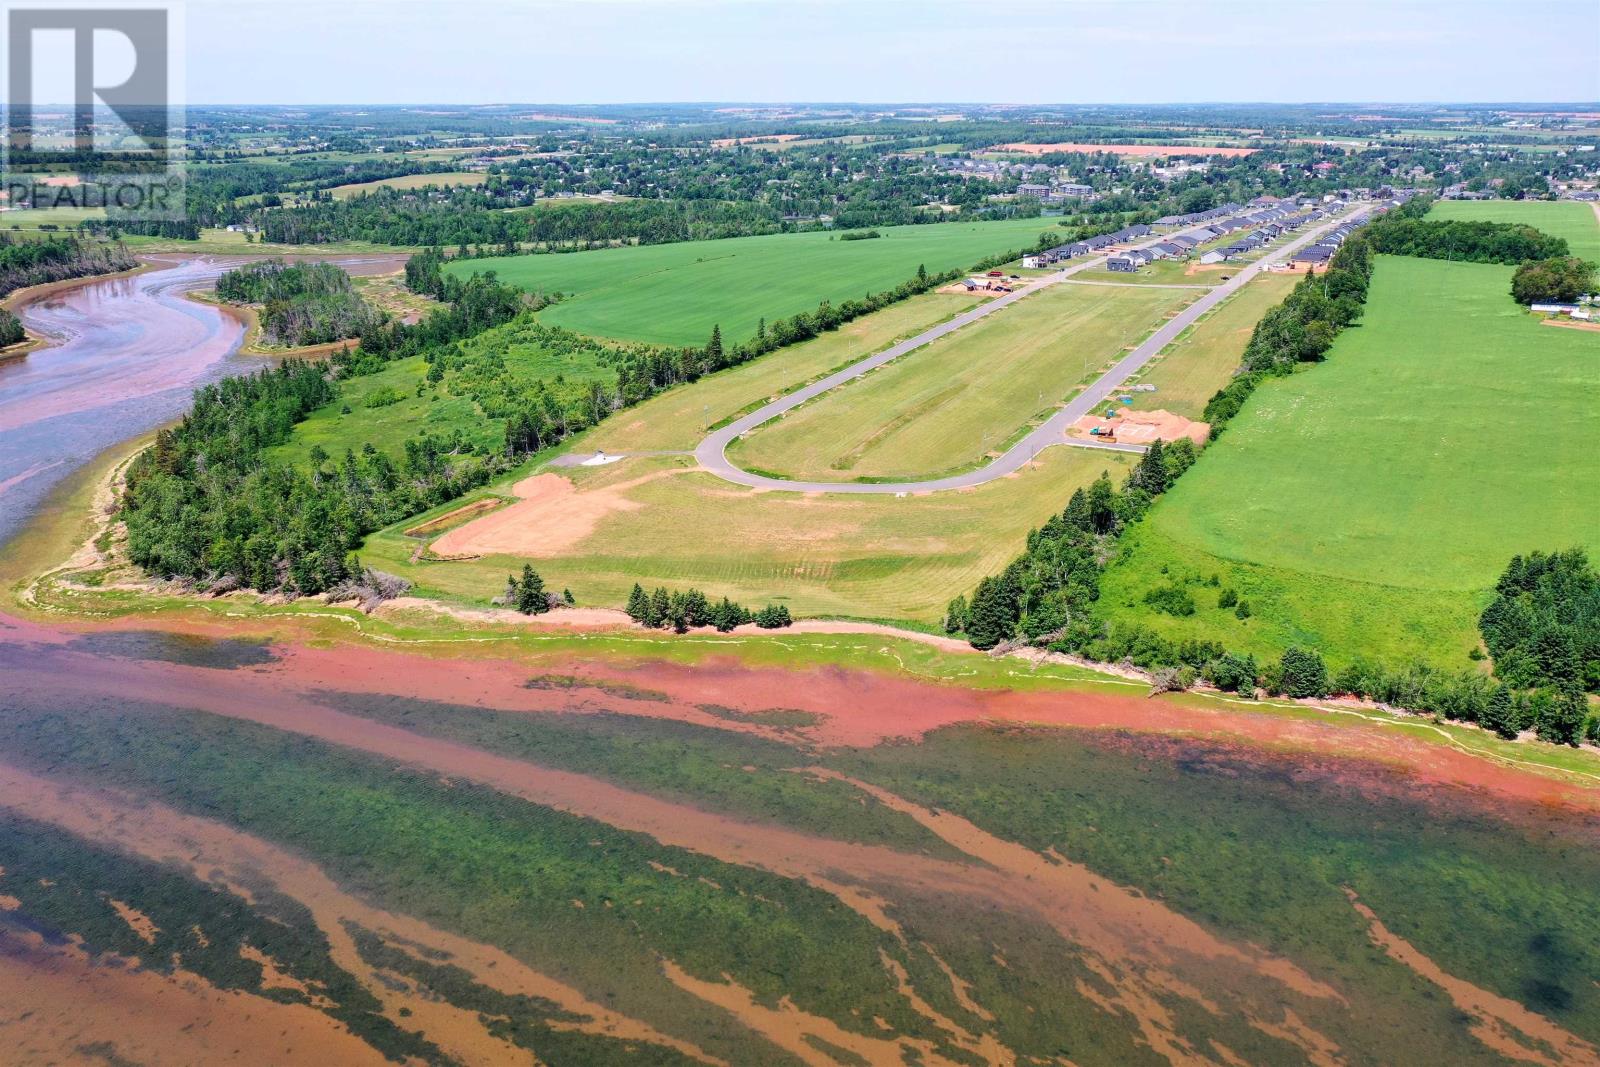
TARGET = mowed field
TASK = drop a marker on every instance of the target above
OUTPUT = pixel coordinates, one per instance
(675, 293)
(950, 403)
(659, 521)
(1367, 504)
(410, 181)
(1559, 218)
(1191, 369)
(679, 418)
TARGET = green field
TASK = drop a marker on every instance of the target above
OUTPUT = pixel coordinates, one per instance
(679, 418)
(1559, 218)
(1191, 369)
(1366, 505)
(964, 396)
(410, 181)
(675, 293)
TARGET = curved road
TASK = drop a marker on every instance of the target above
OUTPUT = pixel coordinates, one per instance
(711, 453)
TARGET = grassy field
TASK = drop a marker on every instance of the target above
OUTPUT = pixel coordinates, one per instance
(675, 293)
(1366, 505)
(1559, 218)
(952, 402)
(657, 521)
(410, 181)
(1204, 357)
(679, 418)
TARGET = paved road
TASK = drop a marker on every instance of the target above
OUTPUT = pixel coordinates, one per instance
(711, 453)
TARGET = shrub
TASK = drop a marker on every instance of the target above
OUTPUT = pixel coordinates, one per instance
(1301, 673)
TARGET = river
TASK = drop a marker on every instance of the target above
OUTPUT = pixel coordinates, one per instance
(123, 357)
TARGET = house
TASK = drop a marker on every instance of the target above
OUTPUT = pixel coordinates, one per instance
(1183, 241)
(1036, 260)
(1167, 249)
(1031, 189)
(1214, 256)
(1070, 189)
(1554, 309)
(1312, 256)
(1123, 264)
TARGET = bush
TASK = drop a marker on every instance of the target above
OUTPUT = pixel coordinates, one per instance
(1171, 599)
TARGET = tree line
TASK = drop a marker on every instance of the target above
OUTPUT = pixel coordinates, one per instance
(301, 304)
(682, 612)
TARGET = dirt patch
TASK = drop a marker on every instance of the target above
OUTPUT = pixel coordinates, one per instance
(549, 517)
(1141, 427)
(1571, 324)
(771, 138)
(1121, 149)
(959, 289)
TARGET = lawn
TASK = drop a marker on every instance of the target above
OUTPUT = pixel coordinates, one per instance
(410, 181)
(675, 293)
(1368, 504)
(1559, 218)
(1190, 370)
(878, 557)
(949, 404)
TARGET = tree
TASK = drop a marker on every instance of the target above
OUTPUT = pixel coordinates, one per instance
(714, 348)
(638, 604)
(566, 595)
(1102, 505)
(989, 621)
(659, 604)
(1499, 713)
(1562, 721)
(1561, 280)
(530, 598)
(955, 616)
(1302, 673)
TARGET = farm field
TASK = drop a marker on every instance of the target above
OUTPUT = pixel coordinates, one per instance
(675, 293)
(1560, 218)
(679, 418)
(950, 403)
(659, 521)
(410, 181)
(1453, 430)
(1190, 370)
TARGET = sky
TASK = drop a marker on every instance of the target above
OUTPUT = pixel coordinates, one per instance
(974, 51)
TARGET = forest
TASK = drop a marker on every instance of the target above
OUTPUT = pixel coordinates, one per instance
(301, 304)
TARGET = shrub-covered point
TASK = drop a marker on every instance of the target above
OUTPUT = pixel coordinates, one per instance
(54, 259)
(11, 330)
(1543, 626)
(1560, 280)
(303, 304)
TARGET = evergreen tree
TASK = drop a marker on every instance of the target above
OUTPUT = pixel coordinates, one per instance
(1102, 505)
(989, 619)
(922, 274)
(1562, 721)
(714, 348)
(530, 598)
(1498, 714)
(638, 604)
(566, 595)
(955, 616)
(659, 604)
(1303, 674)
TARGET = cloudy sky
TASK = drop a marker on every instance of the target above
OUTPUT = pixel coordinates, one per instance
(1017, 51)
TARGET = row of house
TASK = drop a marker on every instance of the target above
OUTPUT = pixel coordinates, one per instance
(1195, 217)
(1086, 246)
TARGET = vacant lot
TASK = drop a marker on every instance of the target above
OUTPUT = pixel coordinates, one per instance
(410, 181)
(1560, 218)
(679, 418)
(1366, 505)
(865, 557)
(950, 403)
(675, 293)
(1197, 364)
